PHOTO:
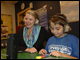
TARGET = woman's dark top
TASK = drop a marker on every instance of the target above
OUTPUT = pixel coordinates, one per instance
(43, 36)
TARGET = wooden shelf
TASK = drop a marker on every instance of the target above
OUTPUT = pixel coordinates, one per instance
(21, 14)
(3, 38)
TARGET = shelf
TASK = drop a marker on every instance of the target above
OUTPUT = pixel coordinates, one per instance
(3, 38)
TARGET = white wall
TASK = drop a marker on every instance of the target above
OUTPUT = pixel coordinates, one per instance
(71, 10)
(9, 9)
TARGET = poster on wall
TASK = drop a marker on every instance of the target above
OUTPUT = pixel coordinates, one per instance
(42, 12)
(71, 10)
(6, 25)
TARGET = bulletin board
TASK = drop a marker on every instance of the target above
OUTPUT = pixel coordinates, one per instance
(7, 23)
(42, 12)
(71, 10)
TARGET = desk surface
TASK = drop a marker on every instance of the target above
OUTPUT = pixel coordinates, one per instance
(27, 55)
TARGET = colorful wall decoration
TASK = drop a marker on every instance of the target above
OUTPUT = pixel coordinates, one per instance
(7, 21)
(42, 12)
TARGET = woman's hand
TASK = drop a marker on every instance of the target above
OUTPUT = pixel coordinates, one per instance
(43, 52)
(55, 53)
(31, 50)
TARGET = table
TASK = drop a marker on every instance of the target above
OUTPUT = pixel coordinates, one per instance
(3, 53)
(27, 55)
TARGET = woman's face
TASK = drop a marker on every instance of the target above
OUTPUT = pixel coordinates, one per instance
(57, 30)
(29, 21)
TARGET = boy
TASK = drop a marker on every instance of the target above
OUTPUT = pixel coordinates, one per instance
(61, 44)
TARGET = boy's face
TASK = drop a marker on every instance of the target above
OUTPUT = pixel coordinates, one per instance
(57, 29)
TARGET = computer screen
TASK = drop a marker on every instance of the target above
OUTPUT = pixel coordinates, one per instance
(12, 45)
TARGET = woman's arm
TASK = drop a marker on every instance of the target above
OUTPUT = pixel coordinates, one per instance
(21, 44)
(43, 36)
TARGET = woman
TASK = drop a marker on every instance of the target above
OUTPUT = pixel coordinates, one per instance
(32, 36)
(61, 44)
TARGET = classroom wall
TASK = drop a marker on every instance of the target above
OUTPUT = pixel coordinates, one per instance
(75, 28)
(56, 8)
(9, 9)
(39, 4)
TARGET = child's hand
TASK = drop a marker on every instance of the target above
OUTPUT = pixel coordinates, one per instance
(55, 53)
(43, 52)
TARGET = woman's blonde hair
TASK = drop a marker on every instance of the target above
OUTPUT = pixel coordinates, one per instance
(34, 14)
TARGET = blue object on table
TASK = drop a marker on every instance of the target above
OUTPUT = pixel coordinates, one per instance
(46, 55)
